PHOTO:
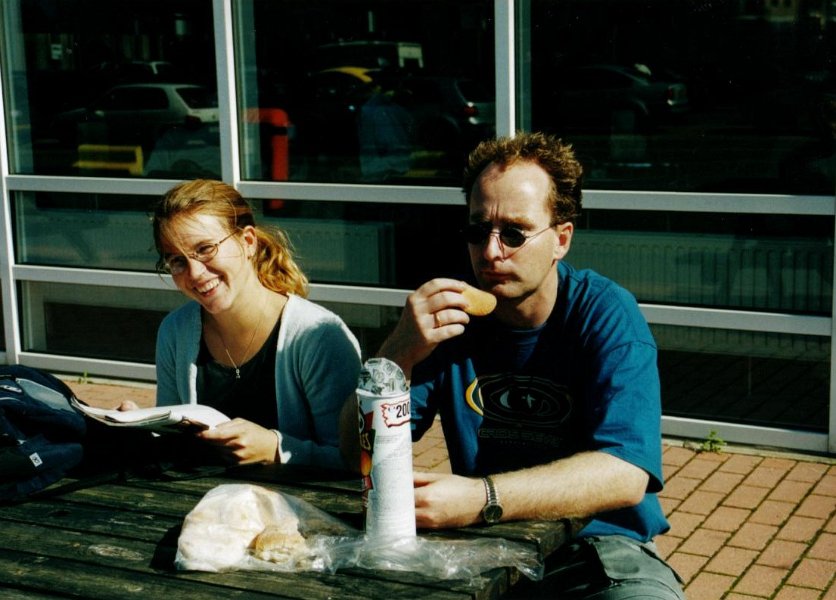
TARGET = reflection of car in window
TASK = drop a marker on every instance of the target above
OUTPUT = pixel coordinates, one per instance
(137, 114)
(450, 113)
(611, 96)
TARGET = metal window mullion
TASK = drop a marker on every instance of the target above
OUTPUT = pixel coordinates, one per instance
(8, 290)
(738, 320)
(771, 204)
(227, 98)
(505, 67)
(738, 433)
(347, 192)
(831, 428)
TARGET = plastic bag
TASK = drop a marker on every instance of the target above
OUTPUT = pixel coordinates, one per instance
(248, 527)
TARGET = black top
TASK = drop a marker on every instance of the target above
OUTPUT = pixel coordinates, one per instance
(253, 396)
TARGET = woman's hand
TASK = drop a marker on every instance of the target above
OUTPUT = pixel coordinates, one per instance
(127, 405)
(242, 442)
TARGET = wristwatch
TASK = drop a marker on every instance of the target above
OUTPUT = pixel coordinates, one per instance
(492, 511)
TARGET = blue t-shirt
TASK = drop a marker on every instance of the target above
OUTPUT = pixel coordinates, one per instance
(586, 380)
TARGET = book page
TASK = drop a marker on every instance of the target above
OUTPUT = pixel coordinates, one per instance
(180, 416)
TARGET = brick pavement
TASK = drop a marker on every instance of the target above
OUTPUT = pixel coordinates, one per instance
(745, 524)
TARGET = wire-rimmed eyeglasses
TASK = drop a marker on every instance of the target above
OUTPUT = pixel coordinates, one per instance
(509, 236)
(178, 263)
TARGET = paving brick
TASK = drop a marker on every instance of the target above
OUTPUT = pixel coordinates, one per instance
(700, 467)
(720, 482)
(709, 586)
(826, 486)
(772, 512)
(669, 505)
(781, 554)
(668, 472)
(831, 525)
(812, 573)
(807, 471)
(686, 565)
(679, 487)
(666, 544)
(830, 594)
(677, 456)
(741, 463)
(731, 561)
(824, 547)
(423, 445)
(794, 593)
(760, 581)
(765, 476)
(746, 496)
(734, 596)
(801, 529)
(791, 491)
(779, 463)
(820, 507)
(704, 542)
(430, 458)
(701, 503)
(684, 524)
(753, 536)
(726, 518)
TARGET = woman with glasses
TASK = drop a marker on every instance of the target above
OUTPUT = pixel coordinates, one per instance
(248, 343)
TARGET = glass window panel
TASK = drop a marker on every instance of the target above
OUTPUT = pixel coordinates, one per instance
(366, 91)
(382, 245)
(102, 88)
(688, 96)
(84, 230)
(754, 262)
(755, 378)
(93, 321)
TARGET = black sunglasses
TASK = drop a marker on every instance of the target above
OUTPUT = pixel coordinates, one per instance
(510, 236)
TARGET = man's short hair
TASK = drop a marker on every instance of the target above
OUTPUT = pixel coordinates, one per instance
(547, 151)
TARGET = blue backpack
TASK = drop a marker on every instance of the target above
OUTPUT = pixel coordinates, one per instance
(41, 434)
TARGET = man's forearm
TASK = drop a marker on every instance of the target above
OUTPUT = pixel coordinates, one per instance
(578, 486)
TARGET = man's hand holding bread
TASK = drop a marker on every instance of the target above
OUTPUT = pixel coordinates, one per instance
(435, 312)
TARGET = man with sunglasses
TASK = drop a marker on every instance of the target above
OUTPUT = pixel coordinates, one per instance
(550, 406)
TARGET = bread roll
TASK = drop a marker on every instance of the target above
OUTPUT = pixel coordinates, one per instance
(282, 543)
(479, 303)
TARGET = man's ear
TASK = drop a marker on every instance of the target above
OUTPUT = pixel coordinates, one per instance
(563, 240)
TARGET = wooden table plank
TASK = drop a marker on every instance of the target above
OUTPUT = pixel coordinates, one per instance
(126, 530)
(112, 557)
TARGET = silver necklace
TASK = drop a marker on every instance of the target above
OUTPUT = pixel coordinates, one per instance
(246, 350)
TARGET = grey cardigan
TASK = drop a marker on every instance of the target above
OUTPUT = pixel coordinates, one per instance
(317, 363)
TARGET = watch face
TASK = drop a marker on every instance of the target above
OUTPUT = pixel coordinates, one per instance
(492, 513)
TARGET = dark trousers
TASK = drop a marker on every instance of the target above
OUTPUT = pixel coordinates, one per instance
(604, 568)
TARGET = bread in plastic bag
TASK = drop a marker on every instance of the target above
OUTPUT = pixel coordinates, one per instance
(248, 527)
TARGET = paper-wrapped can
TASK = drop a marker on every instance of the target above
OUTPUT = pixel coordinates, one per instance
(386, 450)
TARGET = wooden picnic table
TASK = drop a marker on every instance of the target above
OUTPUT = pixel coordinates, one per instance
(116, 537)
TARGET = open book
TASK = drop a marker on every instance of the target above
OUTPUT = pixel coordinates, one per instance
(163, 419)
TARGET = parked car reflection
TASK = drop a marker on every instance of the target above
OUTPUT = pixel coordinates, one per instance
(134, 116)
(613, 97)
(428, 121)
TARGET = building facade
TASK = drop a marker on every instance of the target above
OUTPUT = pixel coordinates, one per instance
(706, 130)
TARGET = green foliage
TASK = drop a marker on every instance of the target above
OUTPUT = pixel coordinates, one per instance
(713, 443)
(84, 378)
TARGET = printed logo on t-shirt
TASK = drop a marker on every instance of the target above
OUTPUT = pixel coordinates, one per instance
(519, 400)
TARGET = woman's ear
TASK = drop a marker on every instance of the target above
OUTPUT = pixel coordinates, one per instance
(563, 240)
(249, 239)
